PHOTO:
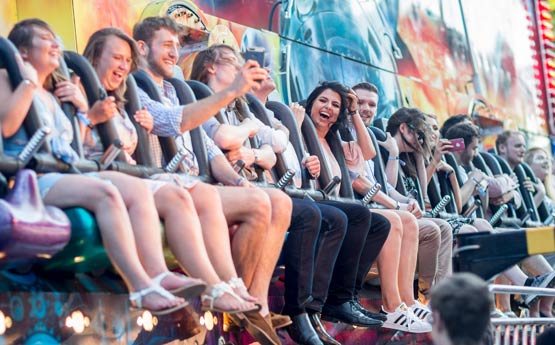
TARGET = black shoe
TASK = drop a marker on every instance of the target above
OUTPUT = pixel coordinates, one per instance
(375, 316)
(323, 334)
(348, 313)
(301, 331)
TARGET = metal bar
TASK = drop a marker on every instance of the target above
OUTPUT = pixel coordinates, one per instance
(524, 321)
(525, 290)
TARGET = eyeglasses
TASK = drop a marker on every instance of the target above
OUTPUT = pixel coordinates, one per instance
(420, 136)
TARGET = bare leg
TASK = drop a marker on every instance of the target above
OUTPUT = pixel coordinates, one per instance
(280, 219)
(106, 203)
(249, 209)
(388, 262)
(409, 254)
(184, 234)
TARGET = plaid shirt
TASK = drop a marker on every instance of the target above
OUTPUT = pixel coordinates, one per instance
(167, 123)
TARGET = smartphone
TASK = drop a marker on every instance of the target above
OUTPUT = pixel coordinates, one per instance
(256, 54)
(458, 144)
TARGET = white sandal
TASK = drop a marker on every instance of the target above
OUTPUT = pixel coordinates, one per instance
(137, 299)
(193, 289)
(218, 291)
(238, 283)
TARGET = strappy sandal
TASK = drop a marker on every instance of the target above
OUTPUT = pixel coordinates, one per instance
(238, 283)
(193, 288)
(136, 299)
(218, 291)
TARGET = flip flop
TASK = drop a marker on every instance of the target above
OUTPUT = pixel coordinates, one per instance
(136, 300)
(218, 291)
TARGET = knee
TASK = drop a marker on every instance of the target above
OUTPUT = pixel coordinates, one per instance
(396, 224)
(429, 233)
(410, 225)
(281, 204)
(173, 197)
(259, 206)
(206, 198)
(307, 216)
(109, 195)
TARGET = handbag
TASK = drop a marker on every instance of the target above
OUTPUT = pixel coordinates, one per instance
(28, 228)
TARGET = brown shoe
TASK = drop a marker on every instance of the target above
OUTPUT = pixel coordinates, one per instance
(278, 320)
(257, 326)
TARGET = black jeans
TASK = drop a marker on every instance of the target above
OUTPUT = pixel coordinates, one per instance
(313, 243)
(366, 234)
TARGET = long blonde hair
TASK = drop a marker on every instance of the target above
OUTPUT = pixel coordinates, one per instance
(549, 178)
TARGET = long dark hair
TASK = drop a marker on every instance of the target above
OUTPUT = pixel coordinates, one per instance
(341, 124)
(416, 121)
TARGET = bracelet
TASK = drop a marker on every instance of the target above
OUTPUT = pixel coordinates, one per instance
(449, 173)
(476, 181)
(393, 158)
(29, 82)
(84, 119)
(239, 181)
(353, 112)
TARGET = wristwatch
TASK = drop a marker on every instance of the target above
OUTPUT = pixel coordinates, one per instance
(398, 206)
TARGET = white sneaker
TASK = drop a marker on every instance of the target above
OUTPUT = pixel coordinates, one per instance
(420, 310)
(402, 319)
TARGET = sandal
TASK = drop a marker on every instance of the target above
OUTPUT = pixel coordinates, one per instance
(218, 291)
(238, 283)
(193, 288)
(137, 299)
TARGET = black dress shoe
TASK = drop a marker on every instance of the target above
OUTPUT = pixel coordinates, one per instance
(323, 334)
(375, 316)
(348, 313)
(301, 331)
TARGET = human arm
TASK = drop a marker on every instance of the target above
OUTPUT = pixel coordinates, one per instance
(194, 114)
(223, 172)
(363, 138)
(263, 156)
(392, 164)
(442, 147)
(299, 114)
(16, 103)
(231, 137)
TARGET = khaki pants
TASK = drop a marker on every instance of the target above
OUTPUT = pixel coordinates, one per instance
(435, 252)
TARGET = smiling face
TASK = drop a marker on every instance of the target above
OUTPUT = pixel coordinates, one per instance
(44, 53)
(434, 130)
(162, 53)
(114, 63)
(325, 110)
(539, 163)
(367, 105)
(515, 148)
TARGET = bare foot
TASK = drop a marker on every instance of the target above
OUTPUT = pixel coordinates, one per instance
(174, 281)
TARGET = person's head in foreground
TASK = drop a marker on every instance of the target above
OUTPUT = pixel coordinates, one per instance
(461, 306)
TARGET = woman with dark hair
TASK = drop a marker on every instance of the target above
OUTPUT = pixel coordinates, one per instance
(110, 195)
(329, 107)
(413, 136)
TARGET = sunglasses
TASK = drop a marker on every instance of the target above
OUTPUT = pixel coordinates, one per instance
(420, 136)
